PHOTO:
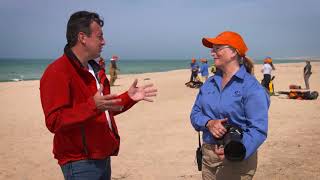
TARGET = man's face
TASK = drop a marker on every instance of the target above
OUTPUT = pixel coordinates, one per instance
(95, 42)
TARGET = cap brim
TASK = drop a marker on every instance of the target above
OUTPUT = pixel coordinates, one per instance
(209, 42)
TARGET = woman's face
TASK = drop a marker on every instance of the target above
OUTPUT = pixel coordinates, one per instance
(222, 55)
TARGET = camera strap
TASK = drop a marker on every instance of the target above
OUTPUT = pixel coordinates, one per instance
(199, 139)
(199, 154)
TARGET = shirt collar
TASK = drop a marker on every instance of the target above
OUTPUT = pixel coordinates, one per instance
(217, 78)
(241, 72)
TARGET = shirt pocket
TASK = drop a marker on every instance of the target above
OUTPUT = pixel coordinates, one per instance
(209, 100)
(236, 101)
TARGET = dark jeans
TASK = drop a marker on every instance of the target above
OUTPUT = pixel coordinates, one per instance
(266, 80)
(88, 169)
(194, 75)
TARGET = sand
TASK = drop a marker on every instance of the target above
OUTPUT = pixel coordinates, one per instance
(157, 139)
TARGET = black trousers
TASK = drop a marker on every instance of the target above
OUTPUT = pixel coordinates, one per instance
(266, 80)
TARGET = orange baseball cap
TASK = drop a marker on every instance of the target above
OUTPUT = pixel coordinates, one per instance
(230, 38)
(268, 60)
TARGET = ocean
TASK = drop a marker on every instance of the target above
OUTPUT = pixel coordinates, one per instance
(32, 69)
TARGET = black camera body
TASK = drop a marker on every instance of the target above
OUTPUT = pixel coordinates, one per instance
(234, 150)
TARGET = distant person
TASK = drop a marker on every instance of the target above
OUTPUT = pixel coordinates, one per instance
(235, 98)
(307, 73)
(194, 68)
(204, 69)
(266, 70)
(102, 65)
(78, 107)
(113, 69)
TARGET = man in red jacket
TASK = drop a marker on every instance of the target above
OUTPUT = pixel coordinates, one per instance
(78, 106)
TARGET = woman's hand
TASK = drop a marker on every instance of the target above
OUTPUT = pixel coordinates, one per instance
(216, 127)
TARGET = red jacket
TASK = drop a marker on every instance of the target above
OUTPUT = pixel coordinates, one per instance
(80, 130)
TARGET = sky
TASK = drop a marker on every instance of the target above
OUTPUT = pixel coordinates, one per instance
(164, 29)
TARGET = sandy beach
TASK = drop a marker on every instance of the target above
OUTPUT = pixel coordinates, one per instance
(157, 139)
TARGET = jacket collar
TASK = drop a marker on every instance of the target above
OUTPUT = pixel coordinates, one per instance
(68, 52)
(72, 57)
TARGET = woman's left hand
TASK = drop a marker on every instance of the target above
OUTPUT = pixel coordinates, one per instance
(219, 151)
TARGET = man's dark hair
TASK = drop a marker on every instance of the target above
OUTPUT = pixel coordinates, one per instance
(80, 22)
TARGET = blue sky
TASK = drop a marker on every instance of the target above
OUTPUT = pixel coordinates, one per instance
(164, 29)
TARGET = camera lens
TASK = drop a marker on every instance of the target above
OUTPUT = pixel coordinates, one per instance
(234, 151)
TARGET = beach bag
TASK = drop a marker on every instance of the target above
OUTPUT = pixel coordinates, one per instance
(199, 154)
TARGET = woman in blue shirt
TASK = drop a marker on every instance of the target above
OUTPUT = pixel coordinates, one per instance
(233, 96)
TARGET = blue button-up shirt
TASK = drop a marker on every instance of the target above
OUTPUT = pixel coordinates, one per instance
(204, 69)
(243, 101)
(194, 65)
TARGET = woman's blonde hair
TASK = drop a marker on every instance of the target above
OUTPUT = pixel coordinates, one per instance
(248, 63)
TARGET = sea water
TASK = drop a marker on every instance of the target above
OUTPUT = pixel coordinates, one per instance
(32, 69)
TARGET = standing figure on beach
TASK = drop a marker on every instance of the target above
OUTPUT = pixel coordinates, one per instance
(113, 69)
(194, 68)
(78, 107)
(307, 73)
(102, 64)
(266, 70)
(204, 69)
(231, 98)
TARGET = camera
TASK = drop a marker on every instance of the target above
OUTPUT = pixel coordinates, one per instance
(234, 150)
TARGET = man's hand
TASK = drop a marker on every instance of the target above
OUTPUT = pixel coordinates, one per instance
(216, 127)
(141, 93)
(106, 102)
(219, 151)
